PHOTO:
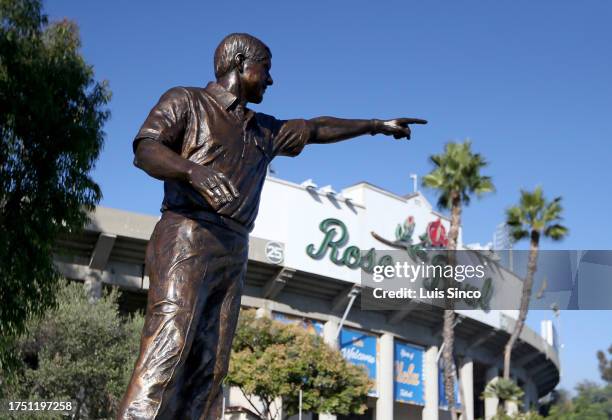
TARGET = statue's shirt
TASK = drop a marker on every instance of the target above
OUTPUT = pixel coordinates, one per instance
(200, 125)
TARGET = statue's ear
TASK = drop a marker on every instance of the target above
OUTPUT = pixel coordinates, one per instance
(239, 61)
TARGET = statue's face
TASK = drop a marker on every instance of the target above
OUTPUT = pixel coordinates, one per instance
(255, 79)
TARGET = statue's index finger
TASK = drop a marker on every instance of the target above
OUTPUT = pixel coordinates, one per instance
(411, 121)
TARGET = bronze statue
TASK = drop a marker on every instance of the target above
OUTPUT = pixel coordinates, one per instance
(212, 153)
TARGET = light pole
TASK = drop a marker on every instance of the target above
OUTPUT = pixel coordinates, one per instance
(300, 405)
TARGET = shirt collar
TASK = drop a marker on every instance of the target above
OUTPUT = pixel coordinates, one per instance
(223, 96)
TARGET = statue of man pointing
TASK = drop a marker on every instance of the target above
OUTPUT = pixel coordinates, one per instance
(212, 153)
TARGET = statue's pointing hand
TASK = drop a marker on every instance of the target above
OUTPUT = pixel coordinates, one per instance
(398, 128)
(214, 186)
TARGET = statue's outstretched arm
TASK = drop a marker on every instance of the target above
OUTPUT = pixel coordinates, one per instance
(330, 129)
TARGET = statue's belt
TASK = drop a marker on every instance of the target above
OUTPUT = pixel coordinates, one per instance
(217, 219)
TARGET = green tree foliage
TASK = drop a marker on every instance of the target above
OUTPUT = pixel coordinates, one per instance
(456, 176)
(593, 402)
(51, 116)
(78, 351)
(531, 415)
(532, 218)
(605, 365)
(272, 360)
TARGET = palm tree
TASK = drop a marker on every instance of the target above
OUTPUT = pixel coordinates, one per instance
(532, 218)
(505, 390)
(456, 176)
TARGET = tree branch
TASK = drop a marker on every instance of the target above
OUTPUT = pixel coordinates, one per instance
(259, 413)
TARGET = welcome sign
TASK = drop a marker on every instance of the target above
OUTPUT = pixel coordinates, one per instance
(359, 349)
(408, 373)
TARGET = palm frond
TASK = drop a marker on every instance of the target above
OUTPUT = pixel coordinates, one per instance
(518, 234)
(435, 179)
(444, 201)
(504, 389)
(484, 186)
(553, 210)
(457, 171)
(515, 216)
(556, 232)
(535, 213)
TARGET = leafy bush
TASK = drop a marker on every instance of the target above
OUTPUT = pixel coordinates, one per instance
(78, 351)
(272, 360)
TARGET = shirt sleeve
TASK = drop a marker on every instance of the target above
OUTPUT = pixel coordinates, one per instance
(167, 120)
(289, 136)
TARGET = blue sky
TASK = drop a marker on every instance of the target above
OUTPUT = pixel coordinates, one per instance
(530, 83)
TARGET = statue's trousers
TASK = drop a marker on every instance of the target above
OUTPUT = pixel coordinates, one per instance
(196, 273)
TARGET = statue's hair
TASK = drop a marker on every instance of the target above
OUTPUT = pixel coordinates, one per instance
(251, 47)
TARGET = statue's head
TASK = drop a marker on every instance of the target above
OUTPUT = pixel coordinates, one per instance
(247, 58)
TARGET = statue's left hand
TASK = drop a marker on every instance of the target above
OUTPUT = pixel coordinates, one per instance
(398, 127)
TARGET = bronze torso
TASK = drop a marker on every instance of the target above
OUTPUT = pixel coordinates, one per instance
(201, 125)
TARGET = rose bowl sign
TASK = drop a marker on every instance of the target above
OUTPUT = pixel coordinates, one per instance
(336, 246)
(336, 238)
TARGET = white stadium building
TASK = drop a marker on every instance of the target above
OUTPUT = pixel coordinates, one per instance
(293, 275)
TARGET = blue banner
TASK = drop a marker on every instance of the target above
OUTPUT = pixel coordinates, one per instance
(359, 349)
(408, 374)
(311, 325)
